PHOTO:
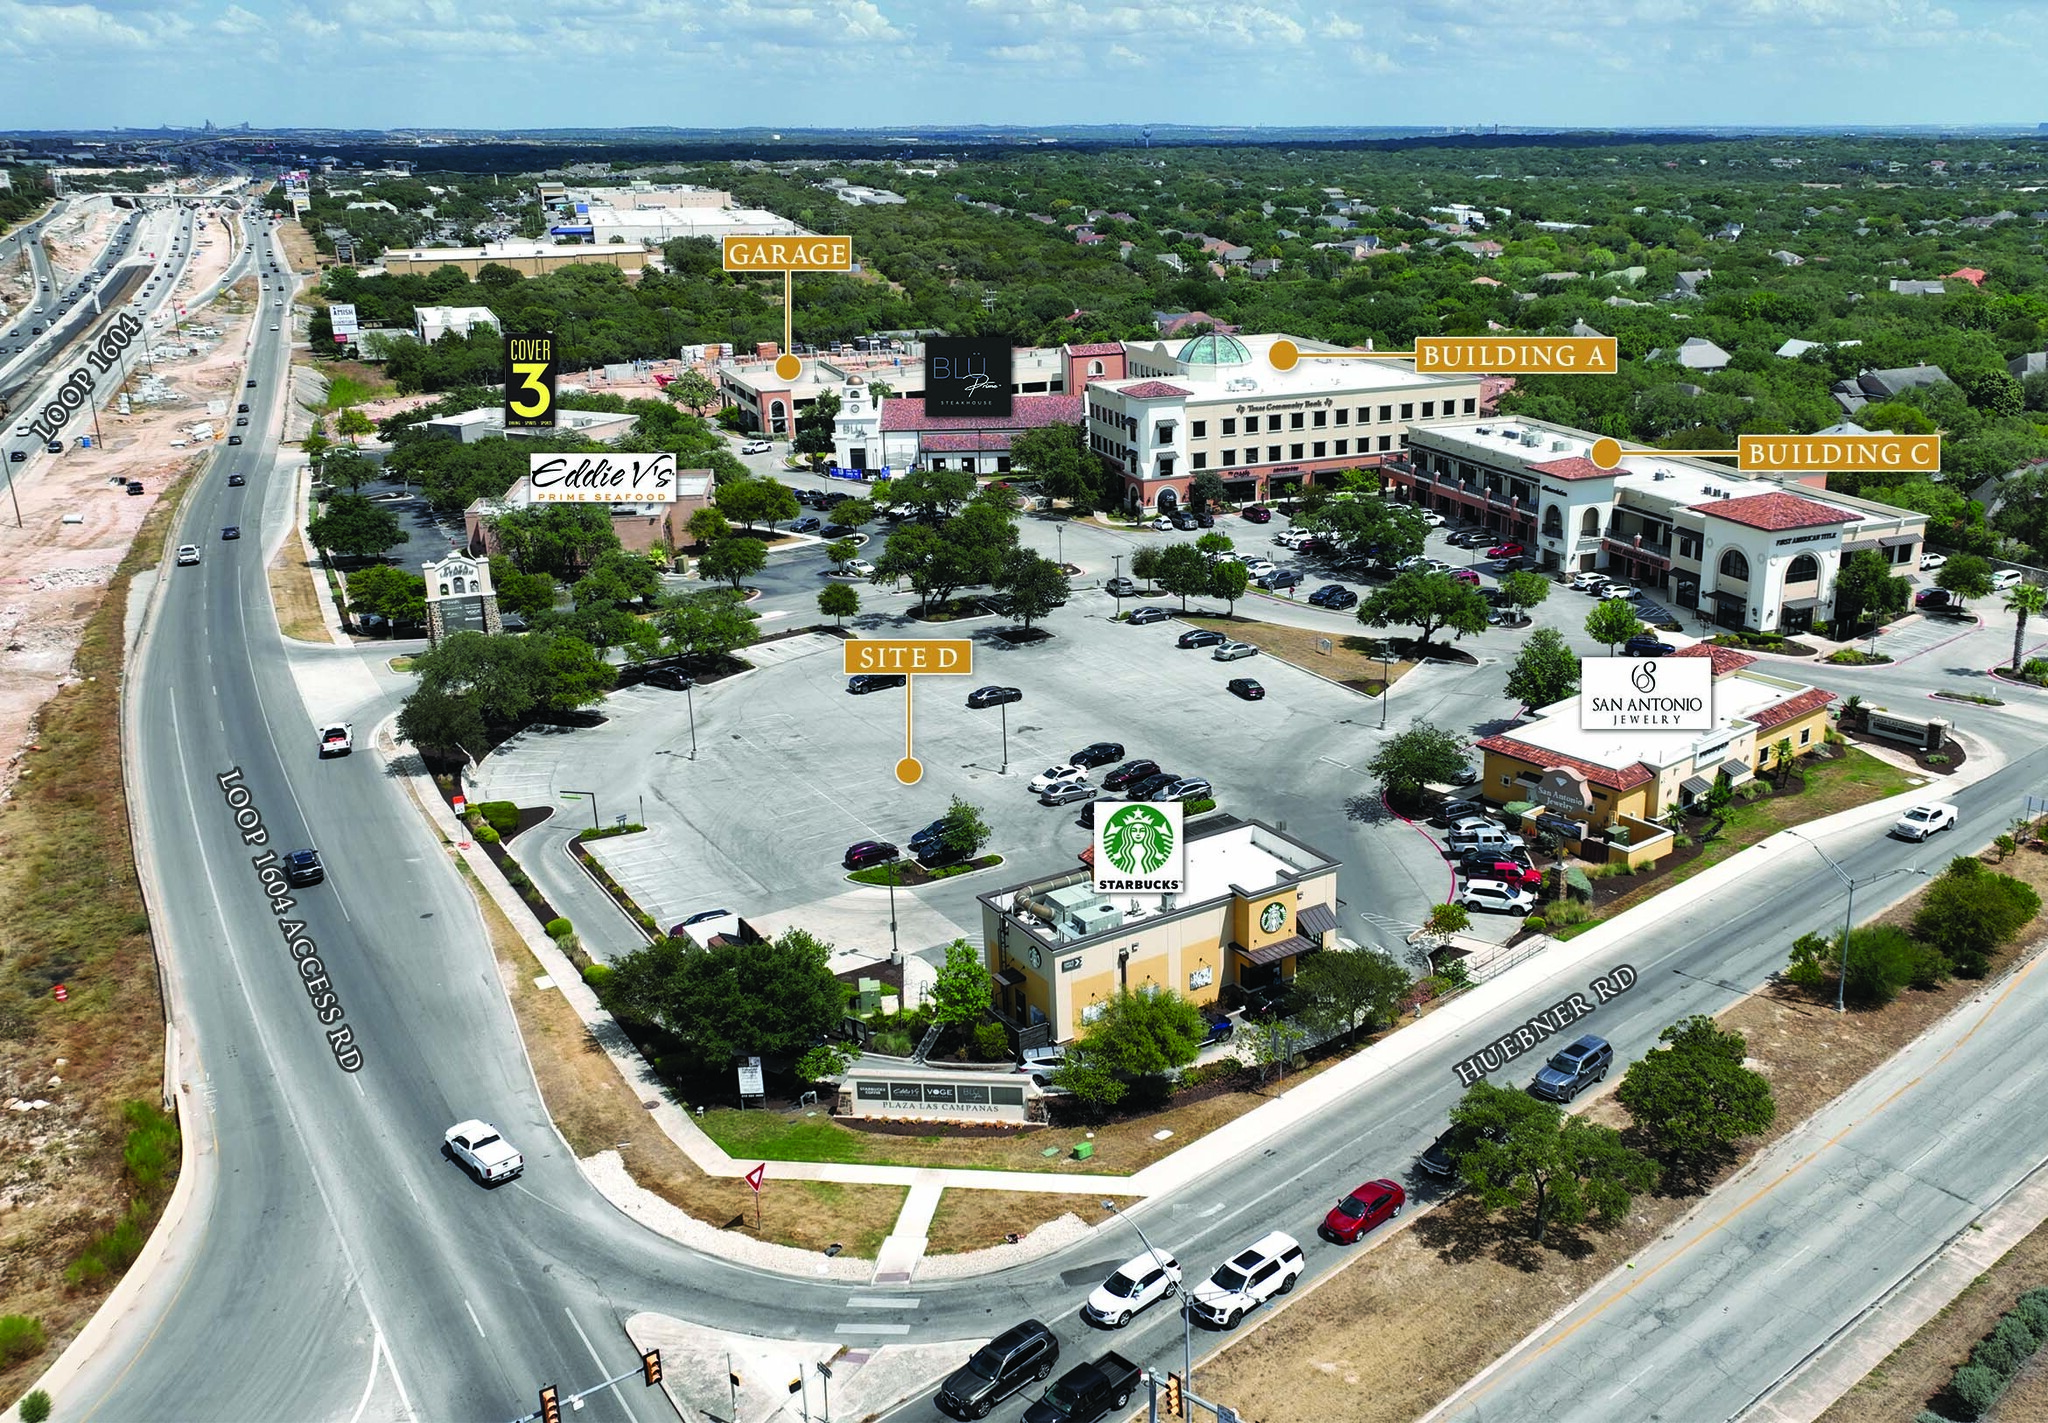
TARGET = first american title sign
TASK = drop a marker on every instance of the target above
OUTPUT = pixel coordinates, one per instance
(602, 479)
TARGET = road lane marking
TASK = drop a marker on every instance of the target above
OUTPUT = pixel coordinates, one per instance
(873, 1329)
(599, 1361)
(884, 1302)
(472, 1315)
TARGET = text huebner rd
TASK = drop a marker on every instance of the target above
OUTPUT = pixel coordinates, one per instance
(941, 656)
(1471, 355)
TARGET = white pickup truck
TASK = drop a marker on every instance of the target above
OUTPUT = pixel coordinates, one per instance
(337, 739)
(477, 1148)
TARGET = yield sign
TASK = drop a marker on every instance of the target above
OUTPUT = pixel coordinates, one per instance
(756, 1176)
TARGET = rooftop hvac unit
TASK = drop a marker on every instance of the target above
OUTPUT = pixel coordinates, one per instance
(1560, 444)
(1511, 434)
(1092, 919)
(1727, 494)
(1532, 439)
(1484, 430)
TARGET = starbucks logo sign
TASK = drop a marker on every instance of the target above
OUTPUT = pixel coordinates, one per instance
(1273, 918)
(1138, 846)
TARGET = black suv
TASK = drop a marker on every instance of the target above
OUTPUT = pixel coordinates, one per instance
(1646, 645)
(302, 867)
(1129, 774)
(998, 1369)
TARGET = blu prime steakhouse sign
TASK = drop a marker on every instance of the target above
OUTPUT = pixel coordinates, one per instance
(72, 396)
(1138, 847)
(1646, 694)
(1554, 1019)
(602, 479)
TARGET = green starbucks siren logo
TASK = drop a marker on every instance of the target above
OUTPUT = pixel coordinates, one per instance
(1137, 840)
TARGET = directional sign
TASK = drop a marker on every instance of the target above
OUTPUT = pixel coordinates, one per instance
(756, 1176)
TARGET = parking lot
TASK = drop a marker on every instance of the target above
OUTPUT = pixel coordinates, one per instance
(791, 769)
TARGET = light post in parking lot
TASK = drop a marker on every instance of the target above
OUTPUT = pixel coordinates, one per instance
(1386, 683)
(1187, 1338)
(1849, 914)
(592, 797)
(895, 953)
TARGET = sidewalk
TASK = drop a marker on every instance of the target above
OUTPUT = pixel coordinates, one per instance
(698, 1364)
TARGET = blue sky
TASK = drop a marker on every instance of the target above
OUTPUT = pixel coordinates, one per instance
(854, 63)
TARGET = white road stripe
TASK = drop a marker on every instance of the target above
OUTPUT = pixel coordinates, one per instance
(873, 1329)
(474, 1320)
(884, 1302)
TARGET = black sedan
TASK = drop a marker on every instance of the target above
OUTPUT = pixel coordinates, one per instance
(875, 682)
(1201, 637)
(1149, 786)
(1247, 688)
(235, 481)
(232, 531)
(1141, 616)
(1098, 753)
(993, 696)
(1643, 645)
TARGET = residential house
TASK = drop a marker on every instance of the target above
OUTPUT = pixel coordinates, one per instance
(1906, 287)
(1790, 259)
(1889, 385)
(1700, 354)
(1973, 275)
(1689, 283)
(1263, 267)
(1485, 249)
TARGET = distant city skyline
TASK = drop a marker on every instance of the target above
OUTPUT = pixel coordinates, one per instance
(386, 64)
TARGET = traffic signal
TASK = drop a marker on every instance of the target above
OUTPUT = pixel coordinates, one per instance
(550, 1405)
(650, 1365)
(1175, 1408)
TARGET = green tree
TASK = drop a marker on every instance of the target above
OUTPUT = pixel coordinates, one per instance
(1182, 570)
(1865, 585)
(1370, 527)
(35, 1406)
(316, 442)
(1447, 919)
(618, 578)
(353, 527)
(919, 555)
(1694, 1098)
(1965, 576)
(561, 540)
(963, 988)
(842, 552)
(1881, 960)
(1207, 492)
(1214, 542)
(693, 391)
(709, 623)
(1531, 1156)
(390, 593)
(1422, 755)
(1781, 758)
(2025, 601)
(1034, 585)
(754, 501)
(1523, 589)
(348, 470)
(965, 831)
(353, 423)
(1613, 621)
(1546, 670)
(527, 594)
(1968, 913)
(852, 513)
(731, 1000)
(1135, 1035)
(1058, 458)
(444, 722)
(707, 526)
(1427, 602)
(838, 601)
(1145, 565)
(933, 493)
(1228, 580)
(505, 679)
(734, 559)
(1342, 990)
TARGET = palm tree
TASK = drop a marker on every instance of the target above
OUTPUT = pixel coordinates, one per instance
(2025, 600)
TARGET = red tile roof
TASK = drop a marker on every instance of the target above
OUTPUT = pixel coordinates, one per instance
(1973, 275)
(1626, 778)
(1027, 412)
(1726, 659)
(1097, 348)
(1154, 390)
(1776, 511)
(966, 443)
(1573, 467)
(1808, 701)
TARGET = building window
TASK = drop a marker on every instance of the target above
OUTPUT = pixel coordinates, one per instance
(1272, 422)
(1688, 545)
(1166, 466)
(1386, 442)
(1319, 448)
(1589, 523)
(1803, 569)
(1343, 416)
(1365, 414)
(1322, 419)
(1429, 409)
(1294, 421)
(1230, 457)
(1198, 460)
(1343, 447)
(1599, 795)
(1553, 523)
(1471, 405)
(1230, 424)
(1507, 780)
(1198, 430)
(1386, 413)
(1805, 736)
(1272, 454)
(1734, 565)
(1095, 368)
(1407, 411)
(1294, 452)
(1162, 434)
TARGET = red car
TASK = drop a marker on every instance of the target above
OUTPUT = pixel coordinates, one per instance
(1465, 575)
(1506, 550)
(1519, 875)
(1256, 514)
(1371, 1205)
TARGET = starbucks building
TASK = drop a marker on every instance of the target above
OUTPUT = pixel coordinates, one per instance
(1253, 901)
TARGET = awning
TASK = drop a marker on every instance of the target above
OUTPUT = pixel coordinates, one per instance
(1794, 605)
(1315, 921)
(1735, 770)
(1722, 595)
(1899, 540)
(1696, 785)
(1276, 951)
(1010, 977)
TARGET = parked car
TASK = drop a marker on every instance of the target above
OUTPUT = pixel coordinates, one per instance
(1496, 896)
(1131, 1287)
(928, 836)
(1161, 524)
(1334, 595)
(1185, 521)
(1483, 866)
(1574, 1069)
(1201, 637)
(1644, 645)
(1487, 837)
(477, 1148)
(1098, 753)
(1510, 549)
(1294, 537)
(1441, 1159)
(1468, 538)
(1150, 786)
(1255, 514)
(756, 447)
(1121, 588)
(1432, 518)
(1937, 600)
(1931, 561)
(867, 682)
(1925, 820)
(1588, 580)
(1067, 792)
(864, 853)
(998, 1369)
(188, 554)
(809, 524)
(668, 679)
(1057, 775)
(1205, 520)
(1233, 651)
(1246, 688)
(1461, 808)
(1129, 774)
(1149, 614)
(1465, 575)
(1371, 1205)
(1268, 1268)
(982, 697)
(1259, 567)
(1088, 1392)
(1185, 788)
(1280, 578)
(2005, 578)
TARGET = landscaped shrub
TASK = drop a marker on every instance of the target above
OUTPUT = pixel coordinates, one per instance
(1568, 910)
(891, 1044)
(599, 977)
(1198, 807)
(21, 1337)
(555, 928)
(501, 815)
(2033, 1307)
(991, 1043)
(1970, 911)
(1881, 962)
(1974, 1389)
(487, 835)
(2011, 1344)
(35, 1407)
(1535, 924)
(1930, 968)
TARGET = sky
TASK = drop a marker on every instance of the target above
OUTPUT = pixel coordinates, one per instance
(871, 63)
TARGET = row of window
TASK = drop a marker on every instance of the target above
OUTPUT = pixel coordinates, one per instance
(1318, 419)
(1318, 449)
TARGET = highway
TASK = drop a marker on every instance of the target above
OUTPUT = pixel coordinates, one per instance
(337, 1267)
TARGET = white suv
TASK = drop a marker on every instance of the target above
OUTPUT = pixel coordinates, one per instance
(1270, 1267)
(1496, 895)
(188, 554)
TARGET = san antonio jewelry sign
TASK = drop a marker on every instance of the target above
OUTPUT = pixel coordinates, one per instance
(1646, 694)
(1139, 848)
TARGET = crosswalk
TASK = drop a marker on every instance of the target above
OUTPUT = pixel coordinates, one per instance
(869, 1328)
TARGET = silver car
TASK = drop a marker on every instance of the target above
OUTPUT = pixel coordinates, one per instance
(1234, 651)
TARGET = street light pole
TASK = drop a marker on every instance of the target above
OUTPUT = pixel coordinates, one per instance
(895, 952)
(1187, 1338)
(690, 698)
(1849, 914)
(1386, 683)
(1004, 708)
(593, 806)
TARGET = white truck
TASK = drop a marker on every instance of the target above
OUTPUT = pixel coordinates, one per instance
(337, 739)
